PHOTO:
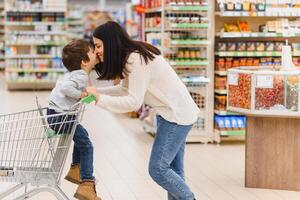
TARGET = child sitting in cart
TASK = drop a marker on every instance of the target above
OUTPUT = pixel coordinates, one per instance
(79, 58)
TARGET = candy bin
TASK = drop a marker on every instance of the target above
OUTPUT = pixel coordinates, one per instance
(263, 91)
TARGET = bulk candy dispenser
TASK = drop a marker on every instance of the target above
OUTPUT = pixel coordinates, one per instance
(265, 91)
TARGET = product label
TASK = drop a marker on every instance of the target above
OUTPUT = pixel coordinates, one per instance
(264, 81)
(233, 79)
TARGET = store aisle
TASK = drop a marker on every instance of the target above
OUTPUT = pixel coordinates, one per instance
(121, 156)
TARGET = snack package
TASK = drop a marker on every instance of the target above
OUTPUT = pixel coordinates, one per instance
(244, 26)
(231, 27)
(250, 46)
(234, 123)
(220, 123)
(243, 61)
(220, 64)
(231, 46)
(278, 46)
(228, 125)
(269, 46)
(240, 122)
(221, 46)
(241, 46)
(260, 46)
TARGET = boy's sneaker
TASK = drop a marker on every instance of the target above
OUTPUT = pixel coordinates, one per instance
(74, 174)
(86, 191)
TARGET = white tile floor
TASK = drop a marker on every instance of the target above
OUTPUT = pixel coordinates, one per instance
(122, 151)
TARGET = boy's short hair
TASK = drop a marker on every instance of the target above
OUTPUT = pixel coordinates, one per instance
(75, 52)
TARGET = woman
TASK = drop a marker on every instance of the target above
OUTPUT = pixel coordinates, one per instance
(147, 78)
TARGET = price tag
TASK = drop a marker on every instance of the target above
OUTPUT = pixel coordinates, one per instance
(264, 81)
(233, 79)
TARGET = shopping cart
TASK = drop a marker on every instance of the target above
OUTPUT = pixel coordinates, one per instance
(33, 149)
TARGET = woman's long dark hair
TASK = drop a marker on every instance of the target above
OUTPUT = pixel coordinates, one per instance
(117, 46)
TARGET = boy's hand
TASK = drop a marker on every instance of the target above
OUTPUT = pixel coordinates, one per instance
(83, 94)
(92, 90)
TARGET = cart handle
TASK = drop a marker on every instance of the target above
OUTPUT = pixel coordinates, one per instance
(88, 99)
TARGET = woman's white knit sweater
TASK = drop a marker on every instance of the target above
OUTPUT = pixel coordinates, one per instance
(155, 84)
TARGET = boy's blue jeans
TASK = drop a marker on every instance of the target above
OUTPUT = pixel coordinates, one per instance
(83, 151)
(167, 157)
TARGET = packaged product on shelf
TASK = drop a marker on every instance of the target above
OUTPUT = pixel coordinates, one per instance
(241, 46)
(228, 124)
(231, 27)
(269, 46)
(260, 46)
(238, 6)
(231, 46)
(220, 102)
(244, 26)
(235, 63)
(220, 64)
(228, 63)
(200, 124)
(261, 5)
(220, 123)
(246, 5)
(278, 46)
(220, 82)
(229, 5)
(221, 46)
(250, 46)
(241, 121)
(234, 123)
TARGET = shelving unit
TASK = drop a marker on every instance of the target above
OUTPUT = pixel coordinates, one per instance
(183, 32)
(259, 20)
(75, 22)
(35, 33)
(2, 43)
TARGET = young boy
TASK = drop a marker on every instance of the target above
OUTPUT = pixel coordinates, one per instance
(79, 58)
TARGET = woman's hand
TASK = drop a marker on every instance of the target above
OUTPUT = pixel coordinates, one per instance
(91, 90)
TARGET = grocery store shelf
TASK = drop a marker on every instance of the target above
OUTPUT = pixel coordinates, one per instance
(25, 85)
(153, 10)
(152, 30)
(187, 8)
(221, 91)
(189, 42)
(75, 22)
(188, 26)
(34, 70)
(257, 14)
(231, 132)
(221, 73)
(32, 23)
(34, 44)
(248, 54)
(37, 10)
(256, 35)
(188, 63)
(30, 56)
(225, 113)
(37, 32)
